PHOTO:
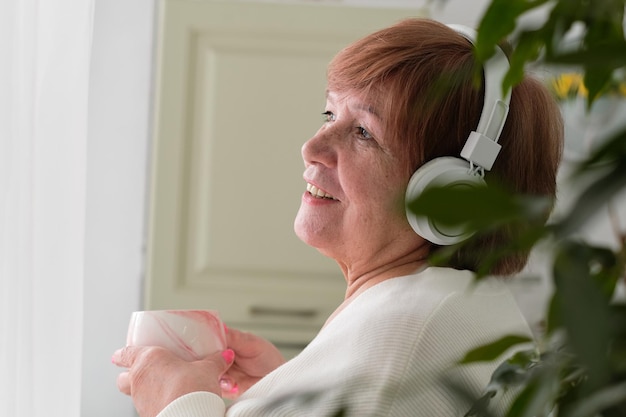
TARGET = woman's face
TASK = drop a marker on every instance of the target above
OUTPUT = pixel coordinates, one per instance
(354, 204)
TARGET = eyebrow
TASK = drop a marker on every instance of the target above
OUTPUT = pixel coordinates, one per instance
(365, 107)
(370, 109)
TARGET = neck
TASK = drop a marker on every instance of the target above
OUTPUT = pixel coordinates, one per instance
(402, 267)
(407, 264)
(390, 261)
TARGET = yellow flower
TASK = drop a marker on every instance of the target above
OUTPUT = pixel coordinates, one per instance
(561, 85)
(571, 85)
(568, 85)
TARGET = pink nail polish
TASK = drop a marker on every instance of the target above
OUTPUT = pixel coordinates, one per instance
(228, 355)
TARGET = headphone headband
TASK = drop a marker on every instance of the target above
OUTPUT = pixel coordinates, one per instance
(481, 148)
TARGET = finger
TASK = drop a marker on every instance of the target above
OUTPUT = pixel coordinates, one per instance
(232, 337)
(123, 383)
(241, 342)
(220, 362)
(125, 357)
(229, 357)
(117, 358)
(230, 389)
(228, 385)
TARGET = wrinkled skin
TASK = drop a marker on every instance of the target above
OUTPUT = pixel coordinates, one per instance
(155, 376)
(255, 357)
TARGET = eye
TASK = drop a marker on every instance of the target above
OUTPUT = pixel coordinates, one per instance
(363, 133)
(328, 116)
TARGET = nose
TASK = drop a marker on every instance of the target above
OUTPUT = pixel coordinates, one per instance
(319, 148)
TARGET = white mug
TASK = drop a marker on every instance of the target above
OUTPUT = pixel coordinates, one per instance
(190, 334)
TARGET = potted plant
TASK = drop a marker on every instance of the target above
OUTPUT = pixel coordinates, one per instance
(578, 366)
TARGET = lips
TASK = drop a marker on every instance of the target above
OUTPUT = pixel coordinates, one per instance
(318, 193)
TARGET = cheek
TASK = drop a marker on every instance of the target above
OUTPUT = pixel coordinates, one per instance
(382, 195)
(395, 191)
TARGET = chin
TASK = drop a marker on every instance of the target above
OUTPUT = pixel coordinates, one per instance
(308, 232)
(302, 231)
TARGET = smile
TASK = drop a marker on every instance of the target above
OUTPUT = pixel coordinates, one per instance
(317, 193)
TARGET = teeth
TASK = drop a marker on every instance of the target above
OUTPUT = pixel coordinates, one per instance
(316, 192)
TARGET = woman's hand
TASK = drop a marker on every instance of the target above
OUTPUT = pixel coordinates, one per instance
(156, 377)
(255, 357)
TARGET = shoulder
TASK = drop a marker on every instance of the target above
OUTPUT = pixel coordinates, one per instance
(429, 296)
(385, 353)
(443, 306)
(436, 315)
(417, 328)
(434, 322)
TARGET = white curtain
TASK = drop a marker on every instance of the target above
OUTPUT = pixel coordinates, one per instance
(44, 68)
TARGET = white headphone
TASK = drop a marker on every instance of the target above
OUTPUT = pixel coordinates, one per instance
(479, 153)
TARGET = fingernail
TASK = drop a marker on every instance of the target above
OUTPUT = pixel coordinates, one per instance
(115, 356)
(226, 384)
(228, 355)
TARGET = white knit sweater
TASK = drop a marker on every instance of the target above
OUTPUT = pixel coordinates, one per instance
(385, 354)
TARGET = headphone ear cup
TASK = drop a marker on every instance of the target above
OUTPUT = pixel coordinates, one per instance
(441, 172)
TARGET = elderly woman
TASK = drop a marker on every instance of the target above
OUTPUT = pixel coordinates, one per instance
(403, 324)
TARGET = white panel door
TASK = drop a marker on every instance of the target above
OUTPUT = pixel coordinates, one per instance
(239, 88)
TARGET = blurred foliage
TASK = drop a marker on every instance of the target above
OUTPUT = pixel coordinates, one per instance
(578, 366)
(599, 52)
(569, 86)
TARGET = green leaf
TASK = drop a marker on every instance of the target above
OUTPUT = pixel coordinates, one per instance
(602, 55)
(523, 242)
(609, 154)
(537, 398)
(618, 333)
(478, 208)
(601, 400)
(493, 350)
(480, 408)
(606, 270)
(618, 321)
(605, 173)
(592, 199)
(527, 49)
(485, 210)
(498, 22)
(596, 80)
(554, 320)
(477, 407)
(586, 323)
(459, 206)
(524, 358)
(508, 375)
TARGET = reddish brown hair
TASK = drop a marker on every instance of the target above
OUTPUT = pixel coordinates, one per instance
(421, 73)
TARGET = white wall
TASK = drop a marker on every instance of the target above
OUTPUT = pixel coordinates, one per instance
(116, 189)
(119, 111)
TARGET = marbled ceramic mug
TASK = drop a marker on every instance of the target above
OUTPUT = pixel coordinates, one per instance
(191, 334)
